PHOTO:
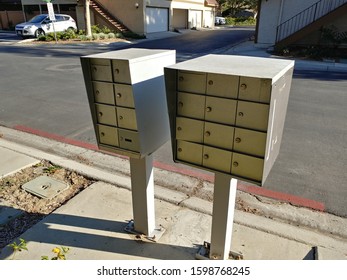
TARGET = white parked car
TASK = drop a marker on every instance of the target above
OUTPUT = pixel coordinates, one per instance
(41, 25)
(219, 20)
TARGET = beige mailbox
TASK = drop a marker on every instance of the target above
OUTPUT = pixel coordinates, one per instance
(227, 113)
(127, 99)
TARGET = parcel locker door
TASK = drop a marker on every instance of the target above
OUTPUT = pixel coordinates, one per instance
(129, 140)
(217, 159)
(189, 152)
(108, 135)
(103, 93)
(218, 135)
(255, 89)
(250, 142)
(252, 115)
(222, 85)
(189, 129)
(247, 167)
(191, 105)
(189, 81)
(106, 114)
(220, 110)
(124, 95)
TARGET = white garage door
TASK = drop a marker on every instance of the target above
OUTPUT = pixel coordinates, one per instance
(195, 18)
(157, 19)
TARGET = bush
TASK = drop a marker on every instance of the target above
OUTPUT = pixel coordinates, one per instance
(102, 36)
(95, 36)
(111, 35)
(240, 21)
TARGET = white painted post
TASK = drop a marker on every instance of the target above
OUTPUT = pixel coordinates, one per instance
(223, 216)
(142, 185)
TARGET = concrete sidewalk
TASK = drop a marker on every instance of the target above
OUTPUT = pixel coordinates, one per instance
(92, 223)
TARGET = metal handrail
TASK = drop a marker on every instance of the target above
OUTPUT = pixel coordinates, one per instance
(306, 17)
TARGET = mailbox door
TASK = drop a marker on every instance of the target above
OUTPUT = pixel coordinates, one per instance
(217, 159)
(126, 118)
(250, 142)
(252, 115)
(218, 135)
(190, 105)
(191, 82)
(129, 140)
(103, 93)
(189, 152)
(101, 69)
(121, 71)
(247, 167)
(222, 85)
(108, 135)
(124, 95)
(189, 129)
(106, 114)
(220, 110)
(255, 89)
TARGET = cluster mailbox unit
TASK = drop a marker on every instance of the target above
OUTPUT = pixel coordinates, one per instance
(126, 93)
(227, 116)
(227, 113)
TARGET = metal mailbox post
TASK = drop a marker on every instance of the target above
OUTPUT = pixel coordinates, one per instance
(227, 115)
(126, 93)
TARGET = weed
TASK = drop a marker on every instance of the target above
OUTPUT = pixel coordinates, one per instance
(59, 254)
(18, 247)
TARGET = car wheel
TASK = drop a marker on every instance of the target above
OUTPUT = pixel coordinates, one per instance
(39, 32)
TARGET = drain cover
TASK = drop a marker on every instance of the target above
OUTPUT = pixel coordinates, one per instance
(45, 187)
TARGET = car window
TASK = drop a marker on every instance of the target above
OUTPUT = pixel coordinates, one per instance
(59, 18)
(38, 19)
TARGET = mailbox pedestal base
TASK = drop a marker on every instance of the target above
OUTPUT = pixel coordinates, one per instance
(222, 217)
(142, 190)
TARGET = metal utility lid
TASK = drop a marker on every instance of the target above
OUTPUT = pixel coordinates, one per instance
(45, 187)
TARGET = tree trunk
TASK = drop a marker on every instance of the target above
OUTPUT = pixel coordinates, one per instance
(87, 17)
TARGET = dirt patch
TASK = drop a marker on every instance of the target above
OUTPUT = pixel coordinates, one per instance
(34, 207)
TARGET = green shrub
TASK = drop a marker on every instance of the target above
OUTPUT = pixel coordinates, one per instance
(95, 36)
(102, 36)
(240, 21)
(111, 35)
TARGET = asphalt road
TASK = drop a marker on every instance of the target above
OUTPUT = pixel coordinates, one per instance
(41, 87)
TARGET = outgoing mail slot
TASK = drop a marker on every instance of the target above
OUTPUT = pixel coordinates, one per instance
(191, 82)
(222, 85)
(189, 152)
(106, 114)
(247, 167)
(108, 135)
(126, 118)
(121, 71)
(218, 135)
(189, 129)
(255, 89)
(220, 110)
(217, 159)
(101, 70)
(103, 93)
(129, 140)
(124, 95)
(250, 142)
(191, 105)
(252, 115)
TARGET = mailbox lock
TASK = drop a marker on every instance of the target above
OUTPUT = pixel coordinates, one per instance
(207, 133)
(243, 86)
(95, 69)
(100, 114)
(238, 140)
(119, 95)
(120, 117)
(102, 134)
(210, 82)
(179, 149)
(179, 128)
(97, 92)
(180, 78)
(116, 70)
(206, 156)
(208, 109)
(180, 104)
(235, 163)
(241, 114)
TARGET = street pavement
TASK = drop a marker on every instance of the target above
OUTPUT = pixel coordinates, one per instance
(92, 223)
